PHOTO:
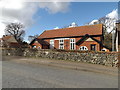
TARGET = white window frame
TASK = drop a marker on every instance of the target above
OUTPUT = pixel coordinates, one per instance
(61, 46)
(72, 41)
(51, 44)
(34, 47)
(85, 48)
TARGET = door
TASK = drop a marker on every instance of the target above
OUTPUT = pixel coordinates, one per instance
(93, 47)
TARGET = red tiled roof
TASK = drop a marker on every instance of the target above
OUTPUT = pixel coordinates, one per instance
(43, 42)
(74, 31)
(6, 37)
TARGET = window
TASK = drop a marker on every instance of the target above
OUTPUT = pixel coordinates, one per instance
(104, 49)
(72, 44)
(83, 48)
(34, 46)
(51, 44)
(93, 47)
(39, 47)
(61, 44)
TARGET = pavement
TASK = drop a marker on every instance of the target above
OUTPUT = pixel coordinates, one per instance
(19, 72)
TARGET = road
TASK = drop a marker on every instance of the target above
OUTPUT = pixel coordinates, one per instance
(31, 75)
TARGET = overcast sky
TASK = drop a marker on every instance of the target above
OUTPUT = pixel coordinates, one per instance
(39, 16)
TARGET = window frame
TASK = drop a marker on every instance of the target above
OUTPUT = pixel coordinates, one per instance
(84, 47)
(52, 44)
(72, 43)
(61, 43)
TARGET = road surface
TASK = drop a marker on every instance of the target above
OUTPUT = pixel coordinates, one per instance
(31, 75)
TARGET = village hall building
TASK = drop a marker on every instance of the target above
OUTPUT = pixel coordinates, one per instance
(89, 37)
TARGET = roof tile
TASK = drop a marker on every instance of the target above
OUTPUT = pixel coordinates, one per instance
(74, 31)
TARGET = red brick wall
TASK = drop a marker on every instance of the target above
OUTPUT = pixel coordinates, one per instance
(88, 43)
(67, 43)
(37, 45)
(56, 44)
(47, 40)
(45, 47)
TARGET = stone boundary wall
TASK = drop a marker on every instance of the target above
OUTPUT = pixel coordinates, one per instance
(103, 58)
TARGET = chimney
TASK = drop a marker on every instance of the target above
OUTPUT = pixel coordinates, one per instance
(56, 28)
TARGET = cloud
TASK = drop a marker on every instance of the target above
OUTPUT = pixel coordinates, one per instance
(11, 4)
(17, 11)
(2, 27)
(113, 14)
(109, 20)
(55, 7)
(23, 12)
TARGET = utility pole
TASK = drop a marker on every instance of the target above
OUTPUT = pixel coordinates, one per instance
(116, 40)
(113, 38)
(118, 31)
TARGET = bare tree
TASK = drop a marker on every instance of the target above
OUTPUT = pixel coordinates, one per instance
(108, 24)
(30, 38)
(16, 30)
